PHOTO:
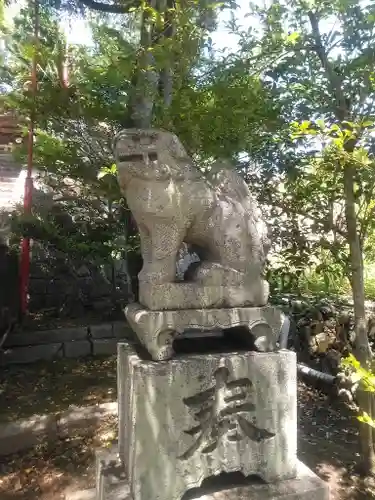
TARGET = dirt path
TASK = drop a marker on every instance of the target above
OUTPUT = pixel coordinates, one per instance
(328, 444)
(52, 387)
(327, 439)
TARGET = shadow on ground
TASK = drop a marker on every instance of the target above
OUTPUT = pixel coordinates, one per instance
(328, 443)
(49, 471)
(53, 387)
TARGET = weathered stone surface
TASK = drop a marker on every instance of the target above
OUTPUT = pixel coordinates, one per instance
(77, 348)
(126, 360)
(109, 472)
(104, 347)
(89, 494)
(119, 491)
(121, 329)
(116, 492)
(31, 354)
(54, 284)
(101, 331)
(196, 296)
(47, 336)
(117, 329)
(174, 204)
(157, 329)
(306, 486)
(194, 417)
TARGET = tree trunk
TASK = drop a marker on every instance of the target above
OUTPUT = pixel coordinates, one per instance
(149, 82)
(147, 79)
(362, 347)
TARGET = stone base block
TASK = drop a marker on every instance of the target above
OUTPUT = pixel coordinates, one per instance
(31, 354)
(104, 347)
(110, 474)
(305, 486)
(195, 295)
(183, 420)
(157, 329)
(77, 349)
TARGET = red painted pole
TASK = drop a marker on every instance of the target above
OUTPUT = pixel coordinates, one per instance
(27, 202)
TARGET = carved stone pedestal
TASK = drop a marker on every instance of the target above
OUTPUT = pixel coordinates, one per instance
(193, 417)
(187, 420)
(111, 485)
(157, 329)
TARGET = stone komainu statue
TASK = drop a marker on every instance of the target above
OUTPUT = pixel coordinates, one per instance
(173, 203)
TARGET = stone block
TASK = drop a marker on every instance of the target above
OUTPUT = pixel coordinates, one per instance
(305, 486)
(104, 347)
(196, 416)
(117, 492)
(77, 348)
(73, 333)
(31, 354)
(109, 472)
(190, 295)
(126, 360)
(101, 331)
(89, 494)
(121, 330)
(157, 329)
(47, 336)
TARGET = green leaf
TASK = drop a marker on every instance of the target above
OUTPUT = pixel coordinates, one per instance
(366, 419)
(305, 125)
(293, 38)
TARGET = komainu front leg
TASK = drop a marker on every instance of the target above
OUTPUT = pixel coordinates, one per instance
(163, 245)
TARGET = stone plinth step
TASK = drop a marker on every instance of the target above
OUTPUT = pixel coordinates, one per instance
(89, 494)
(118, 492)
(199, 415)
(110, 475)
(306, 486)
(157, 330)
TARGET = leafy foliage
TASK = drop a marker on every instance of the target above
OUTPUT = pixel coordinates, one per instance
(363, 377)
(293, 109)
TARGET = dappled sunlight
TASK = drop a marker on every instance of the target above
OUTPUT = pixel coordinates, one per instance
(54, 387)
(48, 471)
(327, 438)
(328, 444)
(345, 485)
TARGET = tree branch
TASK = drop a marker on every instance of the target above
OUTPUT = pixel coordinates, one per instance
(111, 8)
(341, 111)
(329, 225)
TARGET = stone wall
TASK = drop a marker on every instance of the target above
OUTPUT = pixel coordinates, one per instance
(73, 342)
(74, 288)
(322, 330)
(69, 288)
